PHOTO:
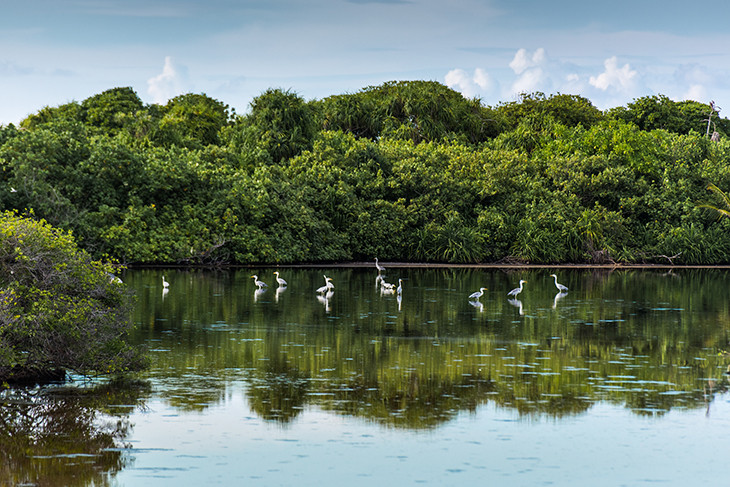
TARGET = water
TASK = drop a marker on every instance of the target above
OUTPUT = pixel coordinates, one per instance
(621, 381)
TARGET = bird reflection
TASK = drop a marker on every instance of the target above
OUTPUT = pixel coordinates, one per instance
(279, 291)
(258, 293)
(325, 300)
(165, 290)
(517, 304)
(399, 298)
(387, 289)
(558, 297)
(477, 304)
(378, 280)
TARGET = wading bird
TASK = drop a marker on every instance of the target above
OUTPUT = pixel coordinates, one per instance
(165, 284)
(516, 290)
(328, 286)
(477, 294)
(379, 267)
(259, 284)
(561, 288)
(281, 281)
(399, 290)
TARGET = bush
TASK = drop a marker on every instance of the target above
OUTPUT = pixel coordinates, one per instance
(59, 309)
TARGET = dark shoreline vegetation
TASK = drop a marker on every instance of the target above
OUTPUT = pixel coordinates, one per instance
(60, 311)
(404, 171)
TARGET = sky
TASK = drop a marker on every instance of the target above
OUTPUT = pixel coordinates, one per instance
(57, 51)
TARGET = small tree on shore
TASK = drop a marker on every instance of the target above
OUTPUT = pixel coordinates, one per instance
(59, 309)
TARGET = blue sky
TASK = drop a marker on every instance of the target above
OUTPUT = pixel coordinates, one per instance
(56, 51)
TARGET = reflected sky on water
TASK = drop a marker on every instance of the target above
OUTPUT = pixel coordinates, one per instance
(621, 380)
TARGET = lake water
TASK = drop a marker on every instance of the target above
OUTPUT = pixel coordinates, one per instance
(621, 381)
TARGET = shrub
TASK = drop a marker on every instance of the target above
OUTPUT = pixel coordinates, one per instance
(59, 309)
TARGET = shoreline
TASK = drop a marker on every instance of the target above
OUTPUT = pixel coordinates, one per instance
(417, 265)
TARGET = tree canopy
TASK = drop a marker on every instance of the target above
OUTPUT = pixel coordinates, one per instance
(408, 170)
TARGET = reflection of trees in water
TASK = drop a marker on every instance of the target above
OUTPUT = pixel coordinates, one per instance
(278, 395)
(432, 358)
(419, 402)
(64, 436)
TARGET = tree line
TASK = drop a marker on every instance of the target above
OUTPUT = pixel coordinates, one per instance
(407, 171)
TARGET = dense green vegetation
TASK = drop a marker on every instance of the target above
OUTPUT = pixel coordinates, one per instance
(59, 309)
(408, 171)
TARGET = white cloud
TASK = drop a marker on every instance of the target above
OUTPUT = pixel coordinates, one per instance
(622, 79)
(695, 82)
(523, 61)
(534, 72)
(470, 85)
(168, 84)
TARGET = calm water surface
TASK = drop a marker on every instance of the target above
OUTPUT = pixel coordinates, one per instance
(621, 381)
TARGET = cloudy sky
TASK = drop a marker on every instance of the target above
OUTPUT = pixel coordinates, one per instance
(56, 51)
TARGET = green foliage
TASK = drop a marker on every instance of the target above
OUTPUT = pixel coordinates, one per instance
(280, 125)
(109, 109)
(59, 309)
(569, 110)
(193, 120)
(403, 171)
(410, 110)
(660, 112)
(70, 112)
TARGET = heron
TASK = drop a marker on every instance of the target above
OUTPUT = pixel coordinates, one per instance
(165, 284)
(328, 286)
(477, 294)
(113, 278)
(399, 289)
(561, 288)
(516, 290)
(379, 267)
(282, 282)
(259, 284)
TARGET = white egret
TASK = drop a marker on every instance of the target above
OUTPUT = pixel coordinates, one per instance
(379, 267)
(113, 278)
(516, 290)
(328, 286)
(165, 284)
(477, 294)
(399, 290)
(561, 288)
(386, 286)
(281, 281)
(259, 284)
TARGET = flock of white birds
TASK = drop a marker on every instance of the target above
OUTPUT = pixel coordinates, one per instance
(385, 287)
